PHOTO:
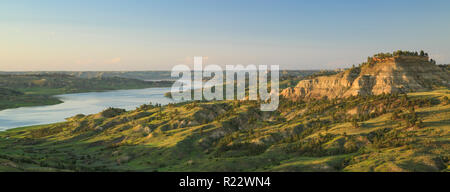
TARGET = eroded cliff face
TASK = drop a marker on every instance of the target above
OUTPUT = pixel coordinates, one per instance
(399, 74)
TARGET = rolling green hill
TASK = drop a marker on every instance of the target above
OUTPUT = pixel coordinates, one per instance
(388, 132)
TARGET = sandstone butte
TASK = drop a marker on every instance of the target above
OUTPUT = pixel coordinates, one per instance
(395, 74)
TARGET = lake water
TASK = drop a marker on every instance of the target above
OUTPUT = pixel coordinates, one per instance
(81, 103)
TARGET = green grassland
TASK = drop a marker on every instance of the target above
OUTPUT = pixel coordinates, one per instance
(374, 133)
(33, 90)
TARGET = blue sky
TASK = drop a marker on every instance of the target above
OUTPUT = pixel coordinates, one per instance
(156, 35)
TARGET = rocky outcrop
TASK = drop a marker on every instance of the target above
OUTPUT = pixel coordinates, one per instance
(396, 74)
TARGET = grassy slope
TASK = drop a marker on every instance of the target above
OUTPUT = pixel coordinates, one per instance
(232, 136)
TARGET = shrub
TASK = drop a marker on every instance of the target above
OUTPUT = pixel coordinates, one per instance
(112, 112)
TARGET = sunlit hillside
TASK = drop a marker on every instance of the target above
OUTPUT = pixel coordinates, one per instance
(373, 133)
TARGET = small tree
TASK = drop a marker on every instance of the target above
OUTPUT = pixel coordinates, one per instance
(422, 53)
(445, 100)
(355, 123)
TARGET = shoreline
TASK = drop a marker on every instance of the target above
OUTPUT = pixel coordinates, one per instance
(59, 101)
(61, 98)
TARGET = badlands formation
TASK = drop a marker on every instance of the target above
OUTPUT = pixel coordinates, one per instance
(383, 73)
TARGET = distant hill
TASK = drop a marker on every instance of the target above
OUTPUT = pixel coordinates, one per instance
(383, 73)
(72, 84)
(141, 75)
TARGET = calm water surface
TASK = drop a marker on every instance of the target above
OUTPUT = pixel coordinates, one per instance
(81, 103)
